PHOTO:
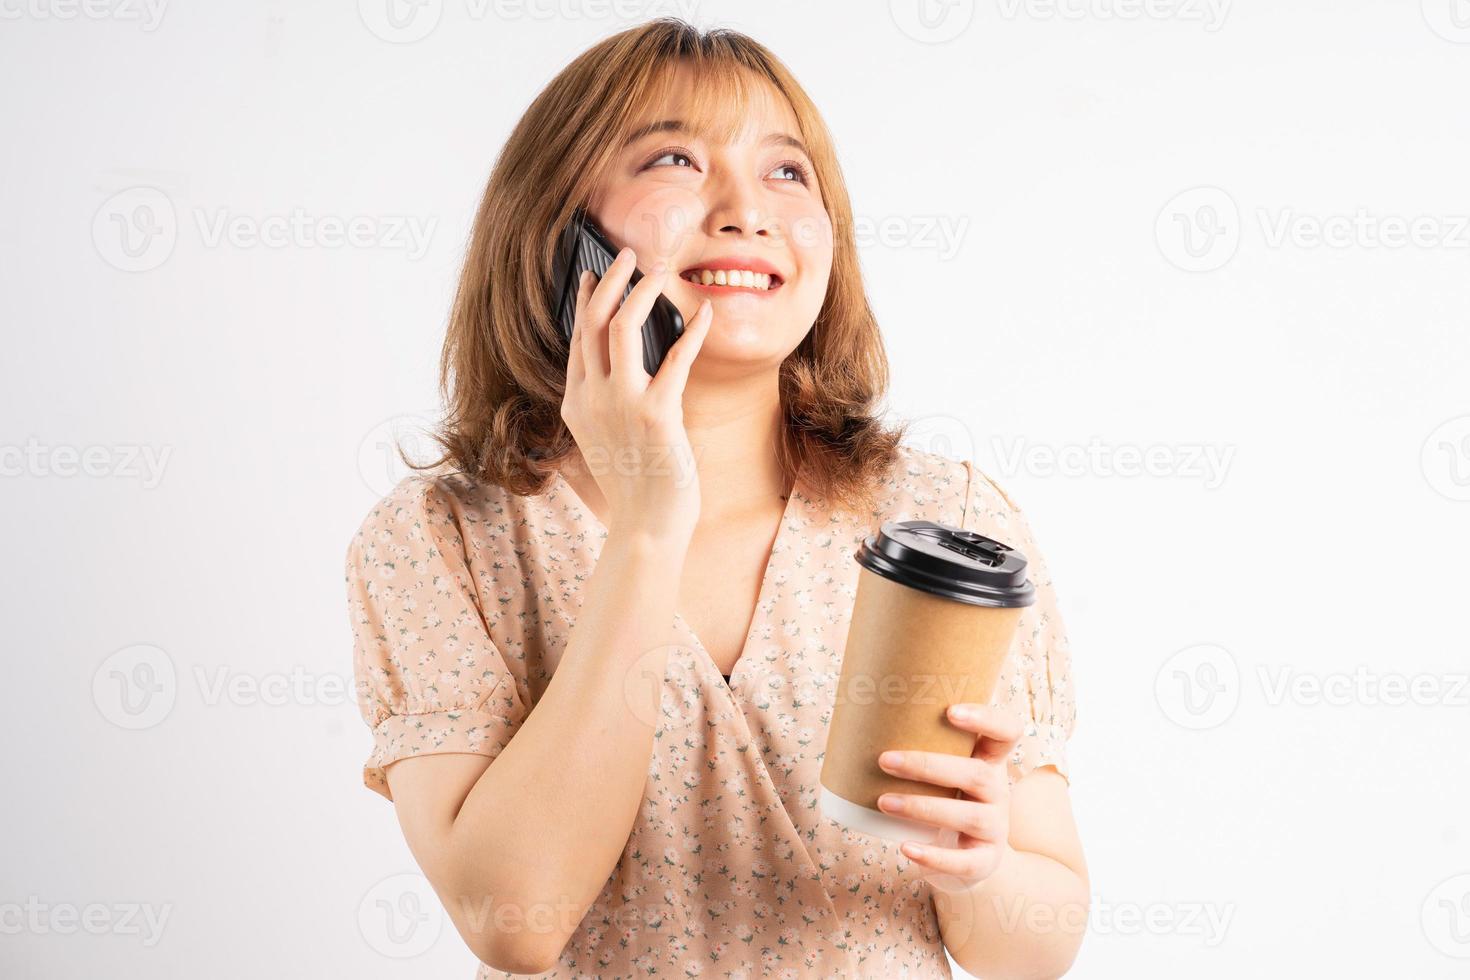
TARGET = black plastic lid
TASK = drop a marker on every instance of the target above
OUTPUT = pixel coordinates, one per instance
(948, 561)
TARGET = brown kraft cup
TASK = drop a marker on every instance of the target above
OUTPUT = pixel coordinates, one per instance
(935, 613)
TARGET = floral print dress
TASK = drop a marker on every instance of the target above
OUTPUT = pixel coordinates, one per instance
(463, 595)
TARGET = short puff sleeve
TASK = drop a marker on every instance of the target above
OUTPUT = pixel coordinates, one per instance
(428, 677)
(1036, 682)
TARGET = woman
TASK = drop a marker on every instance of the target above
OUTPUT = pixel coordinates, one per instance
(540, 635)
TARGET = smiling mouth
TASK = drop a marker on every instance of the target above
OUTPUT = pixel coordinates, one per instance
(727, 280)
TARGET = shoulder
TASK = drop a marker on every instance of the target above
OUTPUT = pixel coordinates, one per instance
(923, 475)
(427, 508)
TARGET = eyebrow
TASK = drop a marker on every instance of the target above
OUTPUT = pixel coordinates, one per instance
(679, 126)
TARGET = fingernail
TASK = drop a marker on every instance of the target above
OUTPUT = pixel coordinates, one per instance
(912, 849)
(892, 759)
(660, 268)
(964, 712)
(889, 802)
(625, 253)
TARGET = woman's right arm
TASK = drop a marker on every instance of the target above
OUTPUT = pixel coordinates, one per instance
(519, 848)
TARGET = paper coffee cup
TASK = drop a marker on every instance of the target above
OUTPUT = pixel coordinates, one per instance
(935, 614)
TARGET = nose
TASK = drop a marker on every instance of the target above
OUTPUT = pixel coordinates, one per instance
(735, 210)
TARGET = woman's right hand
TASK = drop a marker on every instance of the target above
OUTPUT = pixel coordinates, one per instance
(628, 426)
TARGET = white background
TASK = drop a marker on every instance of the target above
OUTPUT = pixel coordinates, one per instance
(1046, 293)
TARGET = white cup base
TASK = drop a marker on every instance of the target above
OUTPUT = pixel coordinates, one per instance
(875, 822)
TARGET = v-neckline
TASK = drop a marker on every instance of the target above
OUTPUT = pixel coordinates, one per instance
(762, 595)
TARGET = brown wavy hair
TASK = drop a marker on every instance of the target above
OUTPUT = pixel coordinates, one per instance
(503, 370)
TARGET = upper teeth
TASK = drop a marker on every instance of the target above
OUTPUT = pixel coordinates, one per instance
(729, 277)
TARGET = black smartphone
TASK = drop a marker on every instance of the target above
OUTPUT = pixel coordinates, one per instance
(584, 246)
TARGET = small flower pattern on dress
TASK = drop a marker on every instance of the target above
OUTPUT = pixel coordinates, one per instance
(462, 596)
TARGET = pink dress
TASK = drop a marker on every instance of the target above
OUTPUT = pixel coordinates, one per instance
(462, 597)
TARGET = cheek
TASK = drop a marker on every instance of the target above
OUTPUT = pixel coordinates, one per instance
(812, 246)
(811, 235)
(656, 222)
(814, 284)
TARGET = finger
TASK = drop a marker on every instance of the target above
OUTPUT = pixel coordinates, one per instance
(673, 373)
(600, 307)
(594, 356)
(962, 862)
(981, 821)
(962, 772)
(576, 363)
(998, 729)
(625, 332)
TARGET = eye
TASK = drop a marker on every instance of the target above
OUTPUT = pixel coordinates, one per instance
(802, 175)
(672, 152)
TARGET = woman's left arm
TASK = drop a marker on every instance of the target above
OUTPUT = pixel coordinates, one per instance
(1010, 882)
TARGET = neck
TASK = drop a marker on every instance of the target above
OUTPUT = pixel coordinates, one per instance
(734, 428)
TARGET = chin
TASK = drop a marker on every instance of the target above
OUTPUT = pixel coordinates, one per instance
(747, 342)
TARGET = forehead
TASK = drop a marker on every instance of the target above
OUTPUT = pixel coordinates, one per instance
(719, 103)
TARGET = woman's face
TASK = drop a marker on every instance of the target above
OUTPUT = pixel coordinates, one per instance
(752, 204)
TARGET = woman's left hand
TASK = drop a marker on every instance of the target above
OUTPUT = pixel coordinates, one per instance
(978, 819)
